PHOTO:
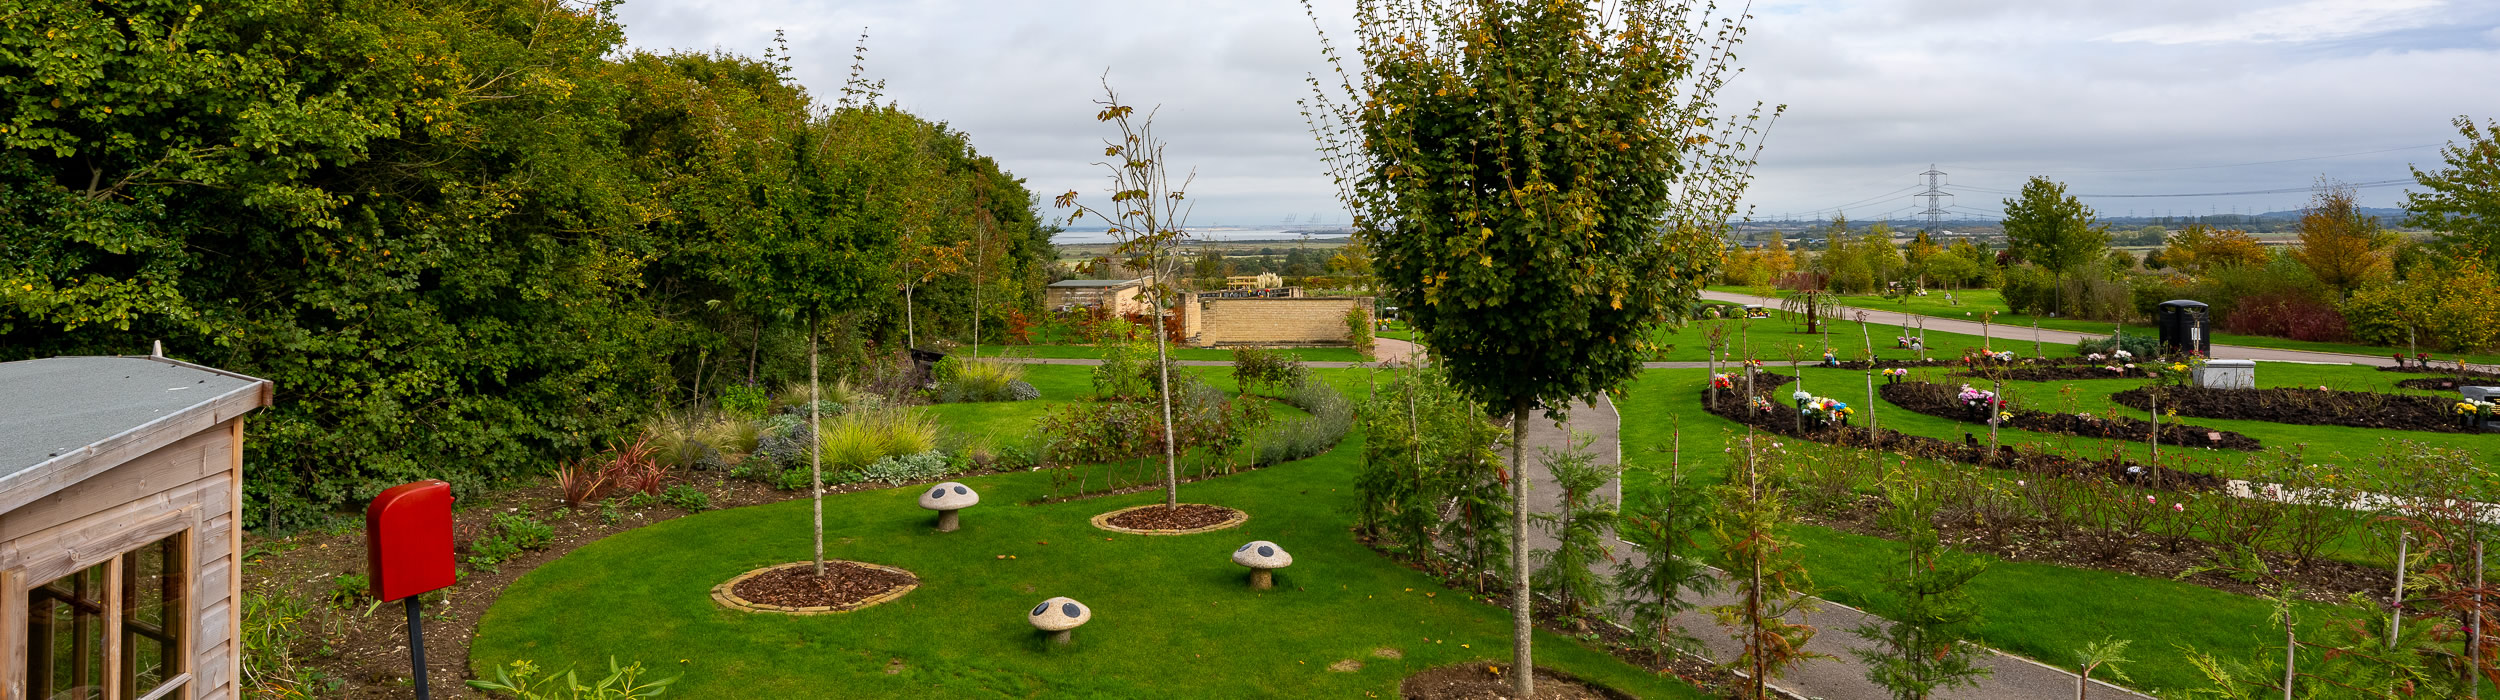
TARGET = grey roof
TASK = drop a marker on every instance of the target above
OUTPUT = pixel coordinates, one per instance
(1093, 283)
(56, 406)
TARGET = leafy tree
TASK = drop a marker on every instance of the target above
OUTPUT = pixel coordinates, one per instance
(2463, 204)
(1541, 185)
(2200, 249)
(2047, 227)
(2343, 248)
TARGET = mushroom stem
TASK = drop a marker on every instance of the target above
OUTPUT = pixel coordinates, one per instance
(948, 521)
(1063, 636)
(1262, 579)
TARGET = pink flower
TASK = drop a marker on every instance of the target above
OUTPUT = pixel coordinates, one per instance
(2150, 499)
(2019, 482)
(2178, 507)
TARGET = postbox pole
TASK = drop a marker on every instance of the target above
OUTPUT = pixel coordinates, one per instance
(416, 643)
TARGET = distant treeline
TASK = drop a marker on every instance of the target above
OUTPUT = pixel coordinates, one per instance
(468, 240)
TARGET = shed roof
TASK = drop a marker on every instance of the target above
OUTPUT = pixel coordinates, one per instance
(62, 412)
(1094, 283)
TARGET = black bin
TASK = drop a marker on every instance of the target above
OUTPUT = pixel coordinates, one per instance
(2185, 327)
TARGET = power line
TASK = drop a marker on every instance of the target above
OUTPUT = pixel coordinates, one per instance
(2284, 190)
(2200, 167)
(1863, 201)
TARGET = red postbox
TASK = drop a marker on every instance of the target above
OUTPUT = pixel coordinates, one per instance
(408, 540)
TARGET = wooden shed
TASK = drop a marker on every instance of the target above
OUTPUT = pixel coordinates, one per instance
(120, 485)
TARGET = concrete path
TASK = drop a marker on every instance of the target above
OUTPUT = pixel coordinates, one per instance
(1840, 678)
(2068, 338)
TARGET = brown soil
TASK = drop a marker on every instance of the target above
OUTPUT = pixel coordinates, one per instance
(2057, 374)
(2357, 409)
(1188, 515)
(1477, 681)
(367, 655)
(1779, 418)
(843, 584)
(1939, 400)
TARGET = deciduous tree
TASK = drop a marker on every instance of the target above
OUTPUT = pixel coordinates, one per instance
(2047, 227)
(2338, 244)
(2463, 204)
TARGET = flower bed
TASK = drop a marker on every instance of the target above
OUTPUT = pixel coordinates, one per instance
(1763, 412)
(1945, 402)
(2356, 409)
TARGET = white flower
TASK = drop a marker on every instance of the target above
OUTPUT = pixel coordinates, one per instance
(1801, 396)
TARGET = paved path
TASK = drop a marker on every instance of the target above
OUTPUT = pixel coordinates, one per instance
(1386, 350)
(1840, 678)
(2055, 337)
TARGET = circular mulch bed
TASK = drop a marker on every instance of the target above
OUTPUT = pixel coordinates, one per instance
(1478, 681)
(1186, 519)
(795, 588)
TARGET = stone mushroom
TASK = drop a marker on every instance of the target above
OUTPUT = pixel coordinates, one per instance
(1263, 558)
(1060, 617)
(947, 498)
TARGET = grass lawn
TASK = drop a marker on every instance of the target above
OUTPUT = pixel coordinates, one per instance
(1782, 337)
(1173, 617)
(1088, 352)
(1975, 301)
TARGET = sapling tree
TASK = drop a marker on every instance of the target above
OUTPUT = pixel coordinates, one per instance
(1541, 185)
(1770, 578)
(1662, 519)
(1918, 644)
(1149, 217)
(1570, 568)
(2105, 656)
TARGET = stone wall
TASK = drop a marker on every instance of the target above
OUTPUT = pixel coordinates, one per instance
(1269, 322)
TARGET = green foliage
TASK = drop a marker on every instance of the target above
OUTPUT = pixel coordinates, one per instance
(686, 498)
(346, 590)
(1771, 582)
(2047, 227)
(904, 469)
(2462, 201)
(487, 231)
(1256, 367)
(860, 438)
(271, 627)
(1919, 646)
(1662, 517)
(1358, 330)
(2142, 346)
(2447, 305)
(509, 536)
(1569, 570)
(1424, 445)
(743, 402)
(982, 379)
(526, 682)
(1332, 415)
(1127, 372)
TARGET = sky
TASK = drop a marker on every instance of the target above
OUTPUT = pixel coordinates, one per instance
(2110, 97)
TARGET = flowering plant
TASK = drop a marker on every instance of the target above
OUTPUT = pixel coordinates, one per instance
(1897, 372)
(1761, 403)
(1801, 395)
(2007, 356)
(1829, 360)
(1826, 411)
(1722, 381)
(2124, 355)
(2096, 357)
(1978, 398)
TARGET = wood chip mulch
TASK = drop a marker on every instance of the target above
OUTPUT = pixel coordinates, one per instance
(1474, 681)
(1188, 515)
(843, 584)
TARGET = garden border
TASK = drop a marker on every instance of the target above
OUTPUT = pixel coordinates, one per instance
(727, 596)
(1103, 521)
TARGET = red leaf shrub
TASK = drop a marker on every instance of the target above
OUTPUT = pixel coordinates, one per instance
(2286, 315)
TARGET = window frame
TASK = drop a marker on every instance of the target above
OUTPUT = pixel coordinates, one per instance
(41, 558)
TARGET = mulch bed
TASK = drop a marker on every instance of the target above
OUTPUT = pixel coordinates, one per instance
(1779, 419)
(2356, 409)
(1939, 400)
(2141, 554)
(1187, 516)
(1477, 681)
(843, 585)
(2447, 383)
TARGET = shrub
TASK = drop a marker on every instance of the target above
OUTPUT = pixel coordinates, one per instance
(2285, 314)
(686, 498)
(744, 401)
(1310, 436)
(900, 470)
(578, 482)
(511, 534)
(2143, 347)
(1021, 390)
(2449, 307)
(1253, 367)
(1358, 329)
(984, 379)
(527, 683)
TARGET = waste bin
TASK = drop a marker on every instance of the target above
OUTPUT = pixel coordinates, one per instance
(2185, 327)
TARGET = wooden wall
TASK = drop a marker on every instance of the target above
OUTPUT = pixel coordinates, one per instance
(188, 485)
(1263, 322)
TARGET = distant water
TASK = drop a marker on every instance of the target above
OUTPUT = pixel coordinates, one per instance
(1212, 233)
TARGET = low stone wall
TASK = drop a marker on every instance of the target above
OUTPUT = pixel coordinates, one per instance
(1270, 322)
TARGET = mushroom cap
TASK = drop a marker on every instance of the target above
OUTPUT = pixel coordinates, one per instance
(1061, 613)
(1262, 554)
(949, 496)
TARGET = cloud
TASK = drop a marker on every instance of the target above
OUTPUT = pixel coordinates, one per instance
(2315, 20)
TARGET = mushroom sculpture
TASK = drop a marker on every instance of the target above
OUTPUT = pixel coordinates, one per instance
(1263, 558)
(1060, 617)
(946, 499)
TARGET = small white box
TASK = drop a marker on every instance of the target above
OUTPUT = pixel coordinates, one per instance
(2227, 374)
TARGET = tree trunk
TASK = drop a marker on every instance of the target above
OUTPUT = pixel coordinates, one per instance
(815, 447)
(1522, 626)
(1171, 455)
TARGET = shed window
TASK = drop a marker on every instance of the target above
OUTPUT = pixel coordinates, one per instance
(133, 603)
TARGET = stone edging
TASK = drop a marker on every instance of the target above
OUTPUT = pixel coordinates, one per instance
(1104, 521)
(726, 593)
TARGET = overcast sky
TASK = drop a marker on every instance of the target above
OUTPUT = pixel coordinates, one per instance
(1990, 91)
